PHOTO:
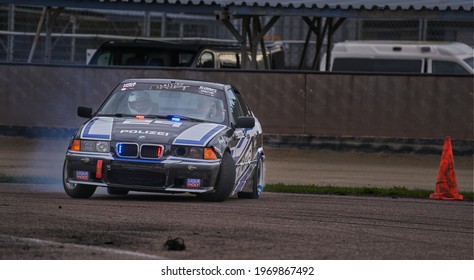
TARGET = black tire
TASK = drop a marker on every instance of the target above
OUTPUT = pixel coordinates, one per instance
(76, 190)
(116, 191)
(225, 182)
(257, 182)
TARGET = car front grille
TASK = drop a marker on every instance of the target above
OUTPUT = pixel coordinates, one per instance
(137, 178)
(127, 150)
(147, 151)
(151, 151)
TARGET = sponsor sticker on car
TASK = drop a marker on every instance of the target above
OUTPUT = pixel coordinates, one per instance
(82, 175)
(193, 183)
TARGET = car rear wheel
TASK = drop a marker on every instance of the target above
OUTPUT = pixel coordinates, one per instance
(76, 190)
(225, 182)
(116, 191)
(258, 182)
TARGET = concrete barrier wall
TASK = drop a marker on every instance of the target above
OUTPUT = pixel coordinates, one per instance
(390, 106)
(319, 104)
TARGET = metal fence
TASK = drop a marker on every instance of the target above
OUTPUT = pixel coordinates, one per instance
(75, 33)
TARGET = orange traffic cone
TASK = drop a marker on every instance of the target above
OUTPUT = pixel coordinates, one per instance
(446, 184)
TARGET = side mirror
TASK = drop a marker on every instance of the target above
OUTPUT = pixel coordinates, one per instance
(84, 112)
(245, 122)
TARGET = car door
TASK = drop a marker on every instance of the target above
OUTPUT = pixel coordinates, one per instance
(242, 142)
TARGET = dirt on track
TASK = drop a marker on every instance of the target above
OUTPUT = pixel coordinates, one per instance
(42, 157)
(50, 225)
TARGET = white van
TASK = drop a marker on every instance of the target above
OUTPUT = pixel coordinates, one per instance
(401, 57)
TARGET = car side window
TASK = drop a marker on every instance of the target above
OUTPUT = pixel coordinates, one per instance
(447, 67)
(243, 104)
(104, 58)
(234, 105)
(377, 65)
(206, 60)
(229, 60)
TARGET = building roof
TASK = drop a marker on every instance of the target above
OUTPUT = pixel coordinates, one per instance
(441, 9)
(351, 4)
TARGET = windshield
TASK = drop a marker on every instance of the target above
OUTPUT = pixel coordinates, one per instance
(470, 61)
(166, 100)
(141, 56)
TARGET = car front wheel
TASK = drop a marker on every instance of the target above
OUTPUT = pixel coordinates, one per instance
(225, 182)
(76, 190)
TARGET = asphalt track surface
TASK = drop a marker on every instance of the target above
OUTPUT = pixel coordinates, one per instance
(42, 222)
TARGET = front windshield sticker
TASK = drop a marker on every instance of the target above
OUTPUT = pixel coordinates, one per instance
(128, 86)
(180, 86)
(207, 91)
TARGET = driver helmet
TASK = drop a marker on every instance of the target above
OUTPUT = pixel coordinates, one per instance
(139, 102)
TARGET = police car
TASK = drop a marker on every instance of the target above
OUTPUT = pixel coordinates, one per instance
(171, 136)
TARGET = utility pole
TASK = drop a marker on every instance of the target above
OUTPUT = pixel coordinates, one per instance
(11, 28)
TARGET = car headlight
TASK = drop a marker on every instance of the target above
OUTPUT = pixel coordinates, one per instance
(193, 152)
(102, 146)
(90, 146)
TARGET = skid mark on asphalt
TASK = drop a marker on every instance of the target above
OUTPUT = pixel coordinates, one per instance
(83, 247)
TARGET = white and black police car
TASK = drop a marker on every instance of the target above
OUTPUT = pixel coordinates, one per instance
(172, 136)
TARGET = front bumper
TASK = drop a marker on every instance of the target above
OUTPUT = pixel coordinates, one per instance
(168, 175)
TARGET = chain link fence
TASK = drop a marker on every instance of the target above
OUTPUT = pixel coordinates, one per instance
(75, 33)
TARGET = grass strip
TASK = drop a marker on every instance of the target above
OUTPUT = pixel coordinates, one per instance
(395, 191)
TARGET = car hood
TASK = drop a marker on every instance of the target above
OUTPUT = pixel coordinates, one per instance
(150, 131)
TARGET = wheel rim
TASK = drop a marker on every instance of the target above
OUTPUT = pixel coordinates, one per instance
(260, 177)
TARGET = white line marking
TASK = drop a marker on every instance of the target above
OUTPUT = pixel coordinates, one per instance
(86, 247)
